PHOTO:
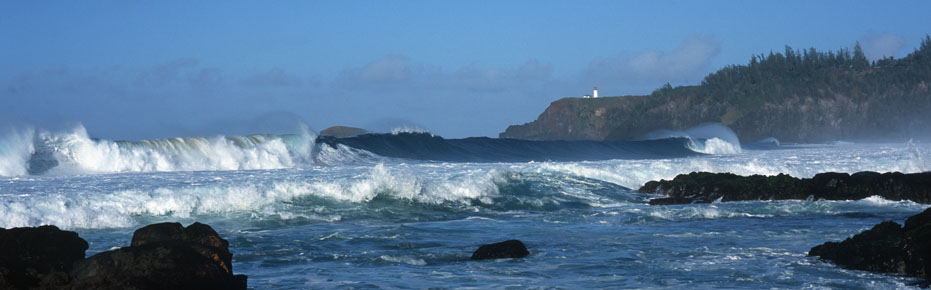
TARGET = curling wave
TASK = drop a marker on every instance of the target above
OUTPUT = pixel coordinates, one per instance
(709, 138)
(30, 152)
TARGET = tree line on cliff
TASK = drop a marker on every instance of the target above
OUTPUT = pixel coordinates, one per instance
(794, 95)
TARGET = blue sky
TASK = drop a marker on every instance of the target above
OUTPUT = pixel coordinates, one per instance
(155, 69)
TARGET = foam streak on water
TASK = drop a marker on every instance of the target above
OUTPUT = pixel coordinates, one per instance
(350, 219)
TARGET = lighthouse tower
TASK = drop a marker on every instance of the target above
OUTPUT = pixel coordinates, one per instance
(595, 92)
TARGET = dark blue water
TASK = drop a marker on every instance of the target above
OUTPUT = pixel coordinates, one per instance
(424, 146)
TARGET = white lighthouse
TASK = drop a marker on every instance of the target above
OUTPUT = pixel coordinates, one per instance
(595, 92)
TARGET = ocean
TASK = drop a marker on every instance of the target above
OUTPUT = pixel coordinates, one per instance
(406, 209)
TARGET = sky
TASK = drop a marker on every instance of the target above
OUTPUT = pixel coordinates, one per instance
(130, 70)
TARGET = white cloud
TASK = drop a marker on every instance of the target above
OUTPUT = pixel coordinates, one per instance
(275, 77)
(690, 57)
(206, 78)
(876, 46)
(689, 62)
(533, 69)
(399, 73)
(166, 73)
(390, 69)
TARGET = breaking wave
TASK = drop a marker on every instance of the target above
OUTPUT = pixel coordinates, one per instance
(327, 195)
(380, 191)
(714, 146)
(37, 152)
(710, 138)
(74, 152)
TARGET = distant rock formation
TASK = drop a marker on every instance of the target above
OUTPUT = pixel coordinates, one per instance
(342, 132)
(161, 256)
(796, 96)
(502, 250)
(886, 248)
(705, 187)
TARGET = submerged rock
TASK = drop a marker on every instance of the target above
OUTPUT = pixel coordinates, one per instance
(705, 187)
(38, 257)
(502, 250)
(886, 248)
(163, 256)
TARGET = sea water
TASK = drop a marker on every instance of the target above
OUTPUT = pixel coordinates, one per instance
(343, 217)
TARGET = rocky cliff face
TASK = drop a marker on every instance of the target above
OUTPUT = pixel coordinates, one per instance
(810, 97)
(792, 119)
(573, 119)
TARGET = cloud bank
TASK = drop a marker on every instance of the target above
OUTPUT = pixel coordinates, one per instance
(881, 45)
(687, 63)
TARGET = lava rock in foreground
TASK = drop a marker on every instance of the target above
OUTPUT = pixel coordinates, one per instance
(161, 256)
(886, 248)
(502, 250)
(40, 256)
(705, 187)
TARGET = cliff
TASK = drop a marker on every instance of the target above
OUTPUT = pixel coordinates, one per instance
(795, 96)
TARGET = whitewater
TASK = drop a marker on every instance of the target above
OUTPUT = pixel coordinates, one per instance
(406, 209)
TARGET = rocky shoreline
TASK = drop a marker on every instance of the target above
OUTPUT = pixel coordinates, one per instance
(705, 187)
(160, 256)
(886, 248)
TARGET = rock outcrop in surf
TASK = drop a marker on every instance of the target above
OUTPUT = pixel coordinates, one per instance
(502, 250)
(886, 248)
(342, 132)
(705, 187)
(161, 256)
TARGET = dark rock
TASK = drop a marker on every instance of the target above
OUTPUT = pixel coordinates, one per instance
(197, 233)
(342, 132)
(502, 250)
(38, 257)
(886, 248)
(704, 187)
(918, 221)
(163, 256)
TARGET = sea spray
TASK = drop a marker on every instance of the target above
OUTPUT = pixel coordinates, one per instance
(15, 149)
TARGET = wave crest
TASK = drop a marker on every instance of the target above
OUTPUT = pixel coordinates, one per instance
(709, 138)
(29, 151)
(714, 146)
